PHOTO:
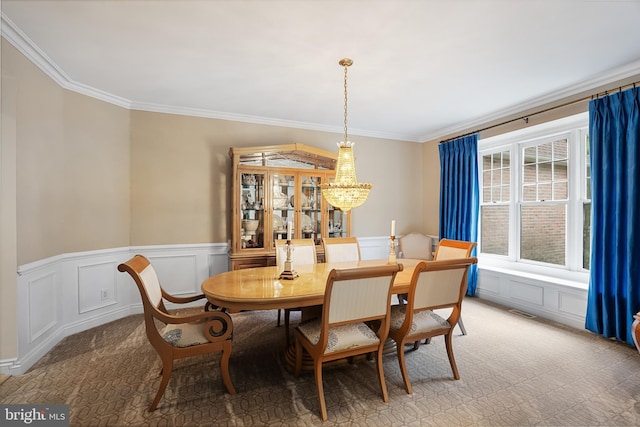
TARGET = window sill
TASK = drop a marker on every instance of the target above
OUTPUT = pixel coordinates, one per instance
(572, 279)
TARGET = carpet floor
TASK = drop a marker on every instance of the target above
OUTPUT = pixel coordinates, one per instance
(515, 371)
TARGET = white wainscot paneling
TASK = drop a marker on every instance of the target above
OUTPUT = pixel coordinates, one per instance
(551, 298)
(374, 247)
(43, 305)
(96, 286)
(529, 293)
(574, 304)
(177, 273)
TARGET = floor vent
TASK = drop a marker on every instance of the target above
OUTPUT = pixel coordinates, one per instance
(522, 313)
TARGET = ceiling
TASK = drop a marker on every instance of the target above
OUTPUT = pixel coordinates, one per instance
(422, 68)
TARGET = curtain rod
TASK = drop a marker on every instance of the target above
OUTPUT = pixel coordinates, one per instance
(526, 117)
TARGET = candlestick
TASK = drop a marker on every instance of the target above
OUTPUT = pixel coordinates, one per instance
(288, 273)
(392, 252)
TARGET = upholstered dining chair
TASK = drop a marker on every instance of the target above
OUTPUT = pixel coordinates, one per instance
(341, 249)
(434, 285)
(182, 335)
(303, 253)
(416, 246)
(450, 249)
(354, 300)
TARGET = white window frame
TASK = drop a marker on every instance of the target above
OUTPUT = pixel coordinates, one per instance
(574, 128)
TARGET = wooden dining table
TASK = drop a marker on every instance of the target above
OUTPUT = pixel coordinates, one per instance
(261, 288)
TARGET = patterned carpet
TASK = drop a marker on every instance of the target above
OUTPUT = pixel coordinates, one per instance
(514, 371)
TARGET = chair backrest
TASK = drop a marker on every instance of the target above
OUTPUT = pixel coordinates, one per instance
(303, 252)
(144, 275)
(358, 294)
(415, 245)
(341, 249)
(450, 249)
(439, 284)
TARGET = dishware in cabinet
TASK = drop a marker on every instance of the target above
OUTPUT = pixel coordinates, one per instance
(250, 202)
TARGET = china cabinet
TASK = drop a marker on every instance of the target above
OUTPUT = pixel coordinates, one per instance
(276, 194)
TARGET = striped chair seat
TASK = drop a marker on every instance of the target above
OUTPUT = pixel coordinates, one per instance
(423, 321)
(340, 337)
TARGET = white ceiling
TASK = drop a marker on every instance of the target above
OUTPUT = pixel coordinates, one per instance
(422, 69)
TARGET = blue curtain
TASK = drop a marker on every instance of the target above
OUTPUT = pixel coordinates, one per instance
(459, 202)
(614, 284)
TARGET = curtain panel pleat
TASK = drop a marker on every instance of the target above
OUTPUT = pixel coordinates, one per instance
(459, 201)
(614, 285)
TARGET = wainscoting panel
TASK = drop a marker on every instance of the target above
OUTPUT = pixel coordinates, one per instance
(178, 274)
(574, 304)
(374, 247)
(96, 286)
(528, 293)
(43, 307)
(551, 299)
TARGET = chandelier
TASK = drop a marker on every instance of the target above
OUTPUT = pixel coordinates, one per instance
(345, 192)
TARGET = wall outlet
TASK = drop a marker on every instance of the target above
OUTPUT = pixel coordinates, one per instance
(104, 294)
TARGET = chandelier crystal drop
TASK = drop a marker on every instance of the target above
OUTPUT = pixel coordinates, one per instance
(345, 192)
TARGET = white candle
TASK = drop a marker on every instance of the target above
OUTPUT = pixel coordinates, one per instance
(289, 229)
(393, 227)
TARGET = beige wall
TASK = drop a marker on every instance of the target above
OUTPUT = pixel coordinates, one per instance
(72, 167)
(8, 236)
(181, 169)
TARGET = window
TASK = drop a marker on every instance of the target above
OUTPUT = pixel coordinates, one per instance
(496, 193)
(535, 196)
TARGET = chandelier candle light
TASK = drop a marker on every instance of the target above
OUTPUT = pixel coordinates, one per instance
(345, 192)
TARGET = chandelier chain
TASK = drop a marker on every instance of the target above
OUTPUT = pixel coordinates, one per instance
(345, 104)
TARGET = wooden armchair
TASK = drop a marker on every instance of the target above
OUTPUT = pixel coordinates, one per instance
(635, 327)
(303, 253)
(341, 249)
(183, 335)
(354, 298)
(434, 285)
(451, 249)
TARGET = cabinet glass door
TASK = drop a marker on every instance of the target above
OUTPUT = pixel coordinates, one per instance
(252, 210)
(310, 208)
(337, 222)
(283, 198)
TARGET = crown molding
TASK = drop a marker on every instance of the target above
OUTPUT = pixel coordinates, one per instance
(28, 48)
(12, 33)
(603, 79)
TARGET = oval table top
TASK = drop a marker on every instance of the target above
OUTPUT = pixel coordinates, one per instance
(261, 289)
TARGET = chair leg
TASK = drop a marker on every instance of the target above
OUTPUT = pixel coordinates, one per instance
(286, 324)
(279, 311)
(464, 331)
(449, 343)
(167, 367)
(317, 367)
(403, 368)
(224, 368)
(383, 384)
